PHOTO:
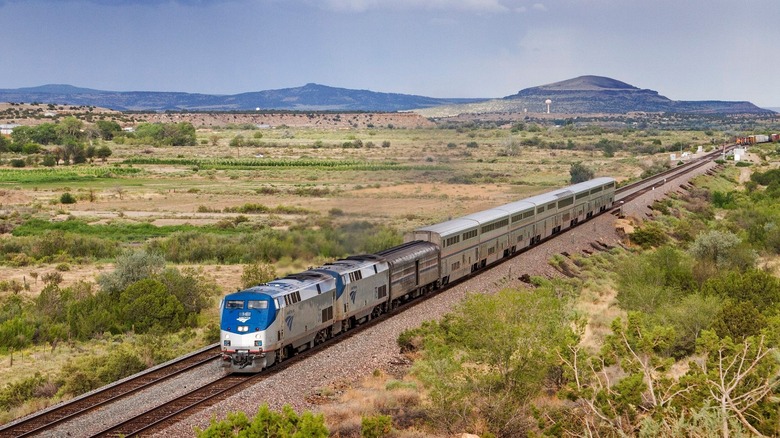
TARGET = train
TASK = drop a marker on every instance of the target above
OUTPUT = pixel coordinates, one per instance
(758, 138)
(265, 324)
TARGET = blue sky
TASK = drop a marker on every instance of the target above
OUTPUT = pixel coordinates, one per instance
(684, 49)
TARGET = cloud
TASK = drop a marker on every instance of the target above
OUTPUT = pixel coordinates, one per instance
(123, 2)
(493, 6)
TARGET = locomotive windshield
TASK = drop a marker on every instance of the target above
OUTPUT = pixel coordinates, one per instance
(257, 304)
(234, 304)
(253, 310)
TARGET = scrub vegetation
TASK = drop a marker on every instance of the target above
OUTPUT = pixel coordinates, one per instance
(125, 271)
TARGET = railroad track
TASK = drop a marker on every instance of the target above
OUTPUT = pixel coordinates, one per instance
(199, 398)
(633, 190)
(87, 403)
(161, 416)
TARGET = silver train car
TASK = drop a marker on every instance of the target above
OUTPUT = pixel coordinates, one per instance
(267, 323)
(472, 242)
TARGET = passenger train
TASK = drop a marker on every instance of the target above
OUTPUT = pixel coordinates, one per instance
(267, 323)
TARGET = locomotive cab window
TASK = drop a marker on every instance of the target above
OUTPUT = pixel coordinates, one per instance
(234, 304)
(257, 304)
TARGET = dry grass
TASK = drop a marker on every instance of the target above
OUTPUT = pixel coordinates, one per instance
(379, 394)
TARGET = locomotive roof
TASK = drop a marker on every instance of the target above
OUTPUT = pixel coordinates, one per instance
(350, 264)
(295, 282)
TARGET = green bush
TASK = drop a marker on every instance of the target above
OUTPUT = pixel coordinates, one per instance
(147, 305)
(88, 373)
(257, 273)
(67, 198)
(14, 394)
(267, 423)
(376, 426)
(651, 234)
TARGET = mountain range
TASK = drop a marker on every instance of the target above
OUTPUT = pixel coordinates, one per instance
(584, 94)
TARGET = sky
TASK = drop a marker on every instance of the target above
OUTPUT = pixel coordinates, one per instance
(684, 49)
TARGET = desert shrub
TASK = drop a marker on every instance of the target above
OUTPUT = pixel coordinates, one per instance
(147, 305)
(16, 332)
(88, 373)
(67, 198)
(482, 334)
(376, 426)
(129, 268)
(580, 173)
(723, 248)
(257, 273)
(650, 234)
(14, 394)
(267, 423)
(193, 290)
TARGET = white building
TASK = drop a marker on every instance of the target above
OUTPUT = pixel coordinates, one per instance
(8, 128)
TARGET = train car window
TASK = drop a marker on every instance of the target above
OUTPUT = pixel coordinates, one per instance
(550, 206)
(565, 202)
(528, 214)
(596, 190)
(257, 304)
(581, 195)
(516, 218)
(469, 234)
(234, 304)
(540, 210)
(495, 225)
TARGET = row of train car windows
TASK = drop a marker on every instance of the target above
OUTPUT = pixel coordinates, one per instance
(520, 216)
(494, 225)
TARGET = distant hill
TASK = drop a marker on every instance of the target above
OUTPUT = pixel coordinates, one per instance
(310, 97)
(593, 94)
(585, 94)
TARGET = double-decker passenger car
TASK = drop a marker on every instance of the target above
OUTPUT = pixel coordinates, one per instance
(474, 241)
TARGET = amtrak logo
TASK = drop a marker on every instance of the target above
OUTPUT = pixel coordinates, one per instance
(353, 295)
(243, 319)
(289, 321)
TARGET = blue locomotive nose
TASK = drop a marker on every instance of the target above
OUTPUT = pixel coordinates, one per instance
(247, 312)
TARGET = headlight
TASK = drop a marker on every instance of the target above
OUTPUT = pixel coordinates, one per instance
(226, 343)
(243, 328)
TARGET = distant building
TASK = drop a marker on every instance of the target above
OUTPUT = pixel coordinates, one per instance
(7, 129)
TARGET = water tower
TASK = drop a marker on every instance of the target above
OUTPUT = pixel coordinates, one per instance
(548, 102)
